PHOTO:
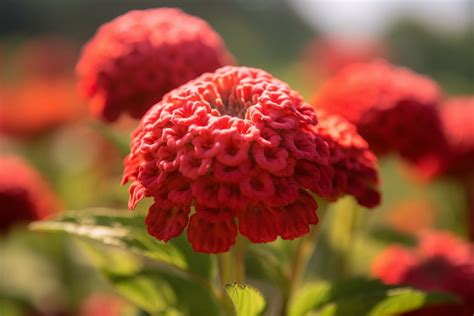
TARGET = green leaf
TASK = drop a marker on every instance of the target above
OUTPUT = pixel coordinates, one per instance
(192, 296)
(146, 290)
(247, 300)
(119, 229)
(361, 298)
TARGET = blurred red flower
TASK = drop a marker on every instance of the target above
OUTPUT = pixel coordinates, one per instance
(394, 109)
(38, 106)
(355, 166)
(99, 304)
(47, 58)
(325, 57)
(412, 216)
(239, 143)
(24, 195)
(457, 161)
(440, 262)
(135, 59)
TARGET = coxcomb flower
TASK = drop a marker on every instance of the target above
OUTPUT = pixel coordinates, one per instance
(327, 56)
(457, 159)
(135, 59)
(24, 195)
(103, 304)
(441, 262)
(47, 58)
(355, 166)
(394, 109)
(234, 144)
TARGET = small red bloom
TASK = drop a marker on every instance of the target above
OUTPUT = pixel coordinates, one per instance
(355, 166)
(234, 144)
(47, 58)
(456, 159)
(328, 56)
(136, 58)
(24, 196)
(38, 106)
(440, 262)
(393, 108)
(102, 304)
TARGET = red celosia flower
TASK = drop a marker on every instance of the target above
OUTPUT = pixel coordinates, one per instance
(47, 57)
(354, 164)
(38, 106)
(236, 143)
(441, 262)
(328, 56)
(411, 216)
(456, 160)
(24, 196)
(136, 58)
(99, 304)
(393, 108)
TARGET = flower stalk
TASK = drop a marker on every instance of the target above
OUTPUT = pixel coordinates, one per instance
(304, 251)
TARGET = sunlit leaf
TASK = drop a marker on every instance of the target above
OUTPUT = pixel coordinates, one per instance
(120, 229)
(146, 290)
(246, 299)
(361, 298)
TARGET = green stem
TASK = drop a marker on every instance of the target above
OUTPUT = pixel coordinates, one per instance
(469, 195)
(239, 255)
(224, 261)
(225, 268)
(344, 219)
(303, 253)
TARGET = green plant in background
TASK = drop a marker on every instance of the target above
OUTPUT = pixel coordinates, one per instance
(269, 190)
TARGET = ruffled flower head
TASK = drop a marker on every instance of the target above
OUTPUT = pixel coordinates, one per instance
(234, 144)
(355, 166)
(441, 262)
(24, 195)
(135, 59)
(394, 109)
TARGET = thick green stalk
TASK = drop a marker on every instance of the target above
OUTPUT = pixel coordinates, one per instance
(304, 251)
(239, 257)
(225, 269)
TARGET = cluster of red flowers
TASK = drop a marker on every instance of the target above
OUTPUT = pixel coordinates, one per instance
(239, 143)
(136, 58)
(440, 262)
(394, 109)
(24, 195)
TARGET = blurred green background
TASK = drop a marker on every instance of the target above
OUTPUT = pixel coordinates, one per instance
(276, 35)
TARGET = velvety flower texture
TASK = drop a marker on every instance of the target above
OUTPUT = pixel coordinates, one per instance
(440, 262)
(135, 59)
(236, 143)
(394, 109)
(24, 195)
(355, 166)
